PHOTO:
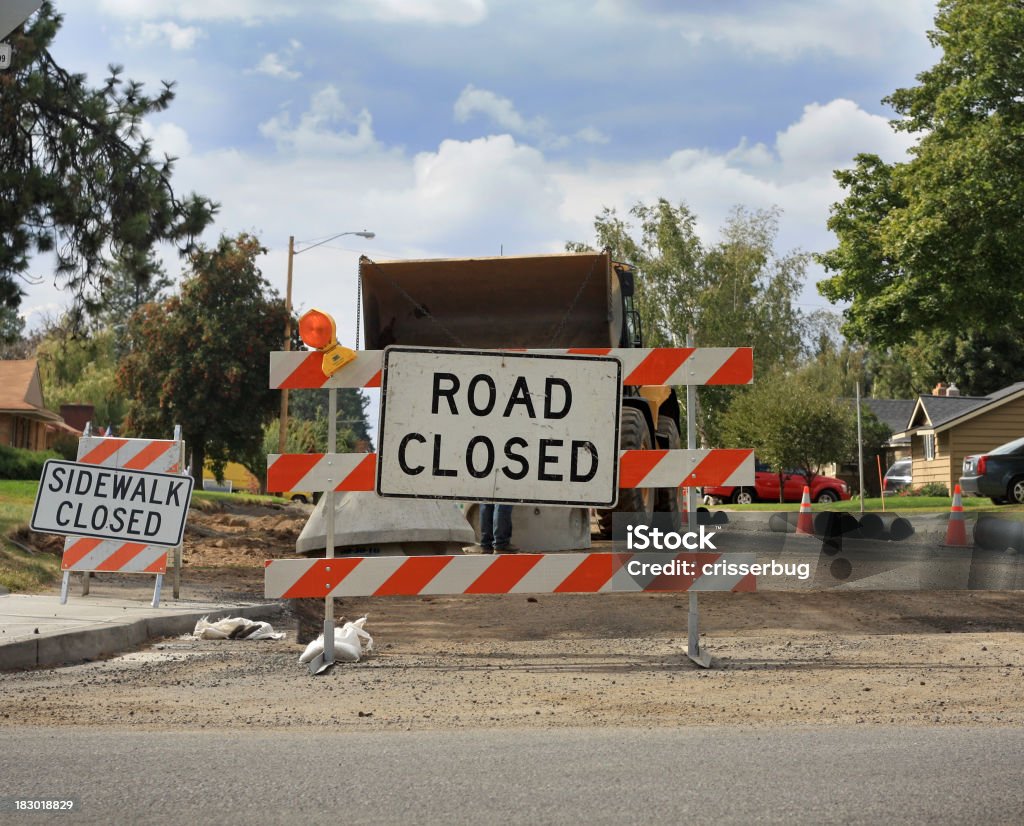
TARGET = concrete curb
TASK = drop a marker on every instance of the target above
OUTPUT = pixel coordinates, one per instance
(67, 648)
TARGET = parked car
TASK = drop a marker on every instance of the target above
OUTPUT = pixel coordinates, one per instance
(899, 476)
(998, 474)
(766, 488)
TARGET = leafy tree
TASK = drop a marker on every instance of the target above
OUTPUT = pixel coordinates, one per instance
(199, 359)
(736, 292)
(75, 369)
(791, 423)
(935, 244)
(77, 178)
(12, 325)
(352, 425)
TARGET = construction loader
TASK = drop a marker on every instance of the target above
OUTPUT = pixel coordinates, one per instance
(540, 301)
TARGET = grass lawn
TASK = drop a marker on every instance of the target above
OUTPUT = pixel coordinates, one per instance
(20, 570)
(23, 571)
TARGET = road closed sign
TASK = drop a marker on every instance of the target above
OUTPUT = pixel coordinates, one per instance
(80, 499)
(491, 426)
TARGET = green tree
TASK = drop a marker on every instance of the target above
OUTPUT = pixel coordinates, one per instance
(791, 423)
(79, 369)
(736, 292)
(935, 244)
(77, 178)
(352, 425)
(199, 359)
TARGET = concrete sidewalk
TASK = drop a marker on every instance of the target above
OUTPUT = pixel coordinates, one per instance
(36, 630)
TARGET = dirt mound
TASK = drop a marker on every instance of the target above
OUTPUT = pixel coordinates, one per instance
(216, 535)
(241, 534)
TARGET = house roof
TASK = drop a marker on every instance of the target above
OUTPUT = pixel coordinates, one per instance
(893, 413)
(21, 391)
(939, 413)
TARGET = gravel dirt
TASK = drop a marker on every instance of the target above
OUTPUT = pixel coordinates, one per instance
(779, 658)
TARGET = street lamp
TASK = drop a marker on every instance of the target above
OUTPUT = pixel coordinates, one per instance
(292, 252)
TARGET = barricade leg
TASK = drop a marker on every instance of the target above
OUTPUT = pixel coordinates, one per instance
(64, 583)
(86, 576)
(156, 590)
(702, 658)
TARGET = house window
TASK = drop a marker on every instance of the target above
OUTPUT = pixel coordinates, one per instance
(929, 446)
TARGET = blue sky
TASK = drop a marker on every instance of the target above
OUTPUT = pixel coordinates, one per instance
(464, 127)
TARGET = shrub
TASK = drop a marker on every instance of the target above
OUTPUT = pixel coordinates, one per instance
(16, 463)
(931, 489)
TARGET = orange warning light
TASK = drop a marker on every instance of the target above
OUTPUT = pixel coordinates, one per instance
(317, 330)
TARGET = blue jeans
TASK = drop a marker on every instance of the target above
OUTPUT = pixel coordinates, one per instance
(495, 526)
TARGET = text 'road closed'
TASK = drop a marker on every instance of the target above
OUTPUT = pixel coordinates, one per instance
(506, 427)
(80, 499)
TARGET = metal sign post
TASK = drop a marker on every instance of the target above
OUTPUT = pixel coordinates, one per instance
(702, 658)
(323, 663)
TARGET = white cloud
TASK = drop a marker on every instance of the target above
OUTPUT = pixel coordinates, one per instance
(168, 139)
(590, 134)
(829, 136)
(502, 112)
(319, 130)
(499, 110)
(848, 28)
(433, 12)
(179, 38)
(279, 64)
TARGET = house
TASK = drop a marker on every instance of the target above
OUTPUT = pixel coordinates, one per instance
(24, 420)
(894, 414)
(945, 427)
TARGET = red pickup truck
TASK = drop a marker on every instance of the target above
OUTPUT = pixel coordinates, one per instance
(766, 488)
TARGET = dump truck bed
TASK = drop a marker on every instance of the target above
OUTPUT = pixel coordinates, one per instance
(543, 301)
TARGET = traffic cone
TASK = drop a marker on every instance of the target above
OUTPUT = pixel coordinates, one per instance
(956, 530)
(805, 521)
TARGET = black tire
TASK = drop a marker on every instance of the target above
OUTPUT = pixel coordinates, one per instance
(743, 496)
(299, 498)
(827, 497)
(1015, 491)
(633, 435)
(669, 500)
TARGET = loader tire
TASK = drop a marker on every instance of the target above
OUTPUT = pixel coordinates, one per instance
(669, 500)
(633, 435)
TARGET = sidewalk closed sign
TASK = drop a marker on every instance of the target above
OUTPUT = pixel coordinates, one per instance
(492, 426)
(81, 499)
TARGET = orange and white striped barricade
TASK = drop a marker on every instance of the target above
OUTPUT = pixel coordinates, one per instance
(563, 573)
(88, 554)
(637, 469)
(333, 472)
(302, 369)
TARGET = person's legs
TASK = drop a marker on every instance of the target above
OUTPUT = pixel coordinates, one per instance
(502, 527)
(487, 526)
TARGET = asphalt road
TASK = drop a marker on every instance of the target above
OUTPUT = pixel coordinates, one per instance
(839, 775)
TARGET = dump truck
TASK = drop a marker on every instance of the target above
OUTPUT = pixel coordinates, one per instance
(527, 302)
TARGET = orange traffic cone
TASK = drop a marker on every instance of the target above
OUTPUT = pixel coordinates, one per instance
(956, 530)
(804, 521)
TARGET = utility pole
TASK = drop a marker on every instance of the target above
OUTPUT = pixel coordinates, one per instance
(283, 435)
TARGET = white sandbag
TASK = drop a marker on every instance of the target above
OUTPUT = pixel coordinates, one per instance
(351, 642)
(235, 628)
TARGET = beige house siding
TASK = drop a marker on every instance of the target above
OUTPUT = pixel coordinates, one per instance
(975, 435)
(934, 470)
